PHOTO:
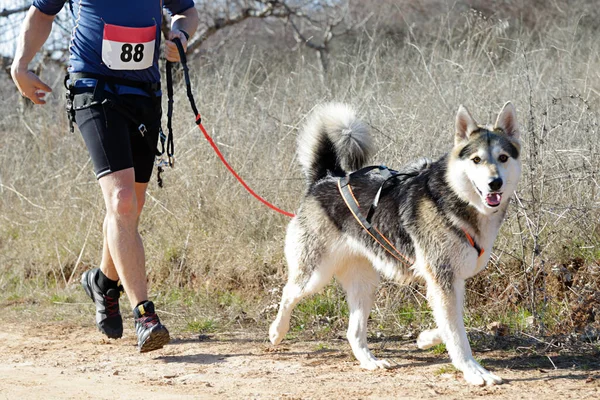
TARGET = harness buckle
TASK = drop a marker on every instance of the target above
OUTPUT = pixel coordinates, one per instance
(142, 129)
(161, 162)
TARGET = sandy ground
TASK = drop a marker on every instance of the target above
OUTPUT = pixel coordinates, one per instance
(59, 360)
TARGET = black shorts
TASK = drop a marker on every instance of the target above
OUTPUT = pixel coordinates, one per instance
(114, 141)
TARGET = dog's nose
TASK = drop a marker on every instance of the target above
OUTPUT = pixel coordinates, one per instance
(495, 183)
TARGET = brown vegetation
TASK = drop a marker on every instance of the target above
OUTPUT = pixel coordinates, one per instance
(407, 69)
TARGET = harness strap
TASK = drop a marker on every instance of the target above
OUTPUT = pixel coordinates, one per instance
(387, 175)
(186, 75)
(170, 144)
(480, 251)
(353, 205)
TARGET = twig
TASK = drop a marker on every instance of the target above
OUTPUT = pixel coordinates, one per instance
(62, 270)
(169, 313)
(539, 340)
(429, 73)
(81, 251)
(552, 362)
(22, 196)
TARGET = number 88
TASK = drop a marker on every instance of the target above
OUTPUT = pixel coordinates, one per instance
(128, 52)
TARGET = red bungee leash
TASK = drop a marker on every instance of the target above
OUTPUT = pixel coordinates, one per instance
(170, 148)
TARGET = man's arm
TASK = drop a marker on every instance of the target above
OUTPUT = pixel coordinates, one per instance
(34, 33)
(186, 21)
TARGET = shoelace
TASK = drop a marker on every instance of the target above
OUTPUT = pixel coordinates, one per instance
(112, 306)
(148, 320)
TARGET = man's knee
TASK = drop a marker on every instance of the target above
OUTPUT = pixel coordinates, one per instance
(123, 202)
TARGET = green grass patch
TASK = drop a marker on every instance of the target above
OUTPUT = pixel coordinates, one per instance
(438, 349)
(407, 315)
(517, 320)
(202, 325)
(173, 254)
(178, 296)
(322, 347)
(61, 298)
(446, 369)
(321, 310)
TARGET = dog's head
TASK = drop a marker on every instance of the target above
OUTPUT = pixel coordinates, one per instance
(485, 165)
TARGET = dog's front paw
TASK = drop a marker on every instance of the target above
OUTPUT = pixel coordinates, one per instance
(428, 338)
(475, 374)
(276, 333)
(375, 363)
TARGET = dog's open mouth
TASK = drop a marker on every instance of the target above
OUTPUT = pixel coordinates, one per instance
(493, 199)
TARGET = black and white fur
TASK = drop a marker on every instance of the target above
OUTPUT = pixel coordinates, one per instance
(423, 214)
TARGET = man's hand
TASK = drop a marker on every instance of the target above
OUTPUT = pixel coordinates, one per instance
(171, 52)
(30, 85)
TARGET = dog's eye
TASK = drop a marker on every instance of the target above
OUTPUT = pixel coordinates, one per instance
(503, 158)
(476, 160)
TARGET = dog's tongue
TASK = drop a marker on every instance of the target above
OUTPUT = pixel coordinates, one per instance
(493, 199)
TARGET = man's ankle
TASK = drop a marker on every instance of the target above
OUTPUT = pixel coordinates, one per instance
(145, 307)
(105, 283)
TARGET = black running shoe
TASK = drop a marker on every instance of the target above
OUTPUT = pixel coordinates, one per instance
(152, 335)
(108, 316)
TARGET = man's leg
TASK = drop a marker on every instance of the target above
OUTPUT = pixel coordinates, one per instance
(107, 265)
(124, 201)
(121, 156)
(123, 252)
(102, 284)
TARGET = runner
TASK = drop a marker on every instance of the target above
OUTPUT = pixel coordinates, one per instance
(114, 97)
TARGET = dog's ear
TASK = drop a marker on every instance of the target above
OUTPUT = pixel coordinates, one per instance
(507, 121)
(465, 125)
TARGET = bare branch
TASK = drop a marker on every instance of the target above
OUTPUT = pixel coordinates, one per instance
(6, 13)
(246, 13)
(282, 10)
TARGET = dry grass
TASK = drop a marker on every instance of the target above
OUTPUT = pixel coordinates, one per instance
(407, 72)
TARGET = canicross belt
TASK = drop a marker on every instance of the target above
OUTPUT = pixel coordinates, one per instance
(113, 101)
(365, 222)
(148, 87)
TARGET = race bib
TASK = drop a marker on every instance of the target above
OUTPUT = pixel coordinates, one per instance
(125, 48)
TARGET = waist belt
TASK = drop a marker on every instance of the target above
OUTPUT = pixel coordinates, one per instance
(149, 87)
(99, 96)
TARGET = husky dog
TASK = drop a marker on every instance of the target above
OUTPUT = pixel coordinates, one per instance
(442, 217)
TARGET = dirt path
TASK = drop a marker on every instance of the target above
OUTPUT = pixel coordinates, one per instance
(60, 361)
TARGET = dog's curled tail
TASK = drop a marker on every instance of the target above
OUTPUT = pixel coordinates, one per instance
(333, 141)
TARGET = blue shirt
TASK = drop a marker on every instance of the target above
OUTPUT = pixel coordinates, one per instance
(91, 19)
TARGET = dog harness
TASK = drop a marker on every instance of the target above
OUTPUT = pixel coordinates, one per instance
(365, 222)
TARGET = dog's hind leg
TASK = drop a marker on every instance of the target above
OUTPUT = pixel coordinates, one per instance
(293, 292)
(446, 300)
(308, 272)
(360, 281)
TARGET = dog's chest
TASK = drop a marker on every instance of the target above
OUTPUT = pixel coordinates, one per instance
(488, 231)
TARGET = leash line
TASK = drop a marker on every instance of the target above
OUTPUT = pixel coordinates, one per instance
(201, 127)
(230, 168)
